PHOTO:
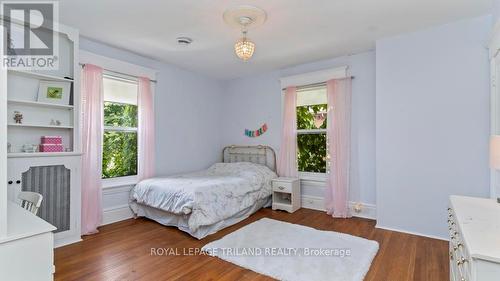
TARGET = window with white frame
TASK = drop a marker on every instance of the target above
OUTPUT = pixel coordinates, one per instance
(119, 151)
(311, 129)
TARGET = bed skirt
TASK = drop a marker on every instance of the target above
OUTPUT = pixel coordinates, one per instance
(181, 221)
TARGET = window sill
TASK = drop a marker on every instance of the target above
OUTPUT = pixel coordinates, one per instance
(317, 177)
(117, 182)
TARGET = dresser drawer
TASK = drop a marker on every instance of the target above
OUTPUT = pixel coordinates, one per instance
(285, 187)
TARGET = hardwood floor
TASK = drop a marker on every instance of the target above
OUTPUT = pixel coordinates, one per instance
(121, 251)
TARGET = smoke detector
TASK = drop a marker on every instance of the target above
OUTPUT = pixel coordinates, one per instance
(184, 41)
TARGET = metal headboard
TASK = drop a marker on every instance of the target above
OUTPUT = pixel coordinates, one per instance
(260, 154)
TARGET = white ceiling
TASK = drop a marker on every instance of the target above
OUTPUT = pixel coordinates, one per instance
(296, 31)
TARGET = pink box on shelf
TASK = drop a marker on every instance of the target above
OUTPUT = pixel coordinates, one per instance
(51, 148)
(51, 140)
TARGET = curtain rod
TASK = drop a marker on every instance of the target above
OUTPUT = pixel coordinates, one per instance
(120, 73)
(319, 84)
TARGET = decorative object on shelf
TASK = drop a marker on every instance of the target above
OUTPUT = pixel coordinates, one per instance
(256, 133)
(244, 17)
(54, 92)
(55, 122)
(319, 119)
(51, 144)
(51, 139)
(51, 148)
(30, 148)
(18, 117)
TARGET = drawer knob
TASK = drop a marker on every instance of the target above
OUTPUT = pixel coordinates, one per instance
(10, 182)
(18, 181)
(281, 187)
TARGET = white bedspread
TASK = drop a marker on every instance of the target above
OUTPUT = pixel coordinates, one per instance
(208, 196)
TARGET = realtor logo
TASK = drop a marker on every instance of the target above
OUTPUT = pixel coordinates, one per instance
(30, 36)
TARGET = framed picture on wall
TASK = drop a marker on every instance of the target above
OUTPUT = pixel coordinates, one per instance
(54, 92)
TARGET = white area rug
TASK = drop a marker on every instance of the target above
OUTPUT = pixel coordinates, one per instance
(288, 251)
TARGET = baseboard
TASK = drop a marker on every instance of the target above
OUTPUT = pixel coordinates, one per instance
(66, 241)
(115, 214)
(368, 211)
(411, 232)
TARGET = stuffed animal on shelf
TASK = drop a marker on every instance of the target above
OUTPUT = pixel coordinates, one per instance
(18, 117)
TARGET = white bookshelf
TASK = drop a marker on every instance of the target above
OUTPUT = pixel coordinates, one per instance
(40, 104)
(39, 119)
(41, 76)
(41, 126)
(41, 154)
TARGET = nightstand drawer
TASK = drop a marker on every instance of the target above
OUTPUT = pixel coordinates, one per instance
(282, 186)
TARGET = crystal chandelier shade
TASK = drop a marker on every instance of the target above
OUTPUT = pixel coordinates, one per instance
(244, 48)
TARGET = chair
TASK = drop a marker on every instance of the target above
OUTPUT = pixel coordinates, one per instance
(30, 201)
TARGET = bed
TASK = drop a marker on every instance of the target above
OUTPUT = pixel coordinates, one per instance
(203, 202)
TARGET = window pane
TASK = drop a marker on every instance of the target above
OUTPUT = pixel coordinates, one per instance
(120, 154)
(120, 115)
(119, 91)
(311, 117)
(311, 153)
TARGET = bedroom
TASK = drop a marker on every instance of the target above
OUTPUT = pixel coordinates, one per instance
(228, 140)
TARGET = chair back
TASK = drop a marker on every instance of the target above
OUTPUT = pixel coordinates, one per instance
(30, 201)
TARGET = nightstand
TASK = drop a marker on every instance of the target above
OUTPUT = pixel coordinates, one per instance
(286, 194)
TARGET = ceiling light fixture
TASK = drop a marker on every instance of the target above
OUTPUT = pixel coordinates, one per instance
(244, 47)
(244, 17)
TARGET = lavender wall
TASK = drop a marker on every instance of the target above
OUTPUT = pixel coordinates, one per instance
(249, 102)
(432, 123)
(187, 112)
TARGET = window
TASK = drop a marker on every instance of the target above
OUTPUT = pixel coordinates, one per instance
(311, 129)
(119, 151)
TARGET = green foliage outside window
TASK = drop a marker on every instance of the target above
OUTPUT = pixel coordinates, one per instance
(120, 115)
(119, 147)
(311, 147)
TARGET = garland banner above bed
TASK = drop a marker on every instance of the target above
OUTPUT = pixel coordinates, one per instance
(256, 133)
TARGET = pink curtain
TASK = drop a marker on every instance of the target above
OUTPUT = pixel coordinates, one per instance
(146, 153)
(339, 139)
(92, 128)
(287, 160)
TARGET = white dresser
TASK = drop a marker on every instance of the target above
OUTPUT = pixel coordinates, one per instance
(474, 225)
